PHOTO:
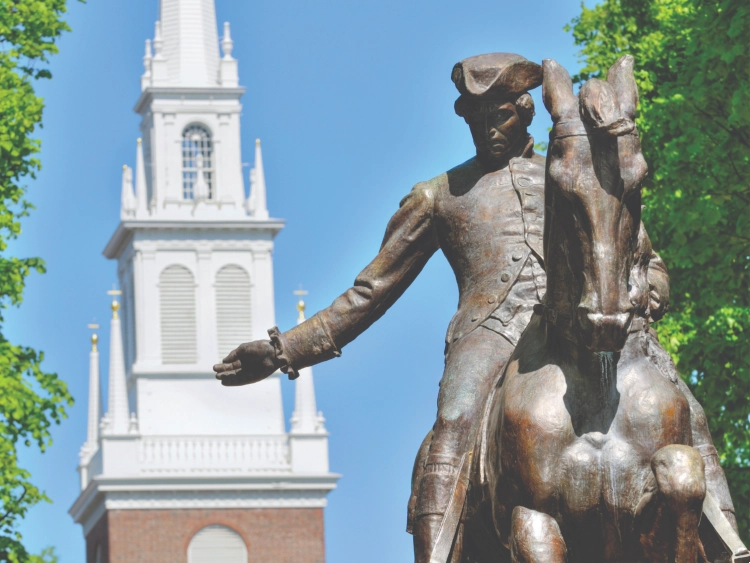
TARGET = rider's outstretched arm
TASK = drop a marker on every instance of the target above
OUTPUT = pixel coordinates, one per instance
(409, 242)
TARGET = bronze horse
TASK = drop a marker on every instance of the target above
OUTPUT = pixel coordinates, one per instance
(589, 455)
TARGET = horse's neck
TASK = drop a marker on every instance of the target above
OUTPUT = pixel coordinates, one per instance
(591, 376)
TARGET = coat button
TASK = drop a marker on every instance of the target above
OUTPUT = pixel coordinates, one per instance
(517, 255)
(505, 277)
(490, 300)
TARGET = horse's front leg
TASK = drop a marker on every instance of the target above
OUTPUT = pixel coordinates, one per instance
(670, 514)
(535, 538)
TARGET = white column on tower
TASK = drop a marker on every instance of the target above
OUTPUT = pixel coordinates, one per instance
(118, 415)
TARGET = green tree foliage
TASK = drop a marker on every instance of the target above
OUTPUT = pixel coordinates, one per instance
(693, 70)
(30, 399)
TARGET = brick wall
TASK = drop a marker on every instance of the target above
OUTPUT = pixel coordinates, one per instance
(278, 535)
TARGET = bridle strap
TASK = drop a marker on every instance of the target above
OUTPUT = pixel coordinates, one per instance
(575, 128)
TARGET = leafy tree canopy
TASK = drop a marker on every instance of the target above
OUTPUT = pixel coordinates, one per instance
(693, 71)
(30, 399)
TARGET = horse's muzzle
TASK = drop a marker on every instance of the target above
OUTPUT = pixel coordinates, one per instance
(603, 333)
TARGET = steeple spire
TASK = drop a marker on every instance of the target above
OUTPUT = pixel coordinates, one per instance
(94, 414)
(305, 419)
(256, 203)
(191, 42)
(140, 181)
(118, 417)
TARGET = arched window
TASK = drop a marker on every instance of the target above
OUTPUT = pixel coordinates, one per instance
(217, 544)
(197, 163)
(177, 308)
(233, 309)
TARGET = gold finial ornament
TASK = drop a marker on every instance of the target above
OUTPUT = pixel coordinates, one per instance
(94, 337)
(115, 305)
(301, 303)
(257, 142)
(139, 140)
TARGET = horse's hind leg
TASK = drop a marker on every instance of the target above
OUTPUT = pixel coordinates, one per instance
(677, 505)
(535, 538)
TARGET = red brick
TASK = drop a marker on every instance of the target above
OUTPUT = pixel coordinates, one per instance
(278, 535)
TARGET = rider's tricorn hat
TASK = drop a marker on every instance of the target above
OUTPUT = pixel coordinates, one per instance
(496, 76)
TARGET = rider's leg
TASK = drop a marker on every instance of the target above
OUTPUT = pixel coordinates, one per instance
(472, 365)
(677, 504)
(535, 538)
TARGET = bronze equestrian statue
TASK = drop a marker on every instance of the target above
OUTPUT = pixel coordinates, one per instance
(487, 216)
(589, 453)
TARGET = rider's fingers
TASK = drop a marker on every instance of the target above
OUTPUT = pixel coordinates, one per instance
(232, 356)
(221, 368)
(236, 379)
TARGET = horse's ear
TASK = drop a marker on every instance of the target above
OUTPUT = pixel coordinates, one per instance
(620, 76)
(557, 89)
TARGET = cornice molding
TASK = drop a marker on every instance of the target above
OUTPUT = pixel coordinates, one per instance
(126, 229)
(300, 491)
(217, 92)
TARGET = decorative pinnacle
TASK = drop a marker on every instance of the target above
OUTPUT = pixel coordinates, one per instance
(115, 305)
(139, 141)
(257, 142)
(94, 337)
(301, 303)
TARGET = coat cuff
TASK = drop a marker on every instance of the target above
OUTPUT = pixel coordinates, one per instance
(305, 345)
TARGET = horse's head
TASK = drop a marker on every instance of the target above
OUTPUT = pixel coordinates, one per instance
(594, 172)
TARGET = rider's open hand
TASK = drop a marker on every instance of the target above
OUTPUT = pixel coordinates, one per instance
(248, 363)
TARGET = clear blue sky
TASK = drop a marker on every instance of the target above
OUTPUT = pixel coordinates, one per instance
(354, 105)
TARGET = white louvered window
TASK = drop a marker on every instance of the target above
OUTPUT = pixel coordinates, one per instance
(217, 544)
(233, 309)
(177, 308)
(197, 163)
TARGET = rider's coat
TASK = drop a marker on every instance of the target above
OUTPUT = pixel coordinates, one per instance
(489, 226)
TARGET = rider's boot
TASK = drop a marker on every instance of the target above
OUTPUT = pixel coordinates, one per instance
(435, 490)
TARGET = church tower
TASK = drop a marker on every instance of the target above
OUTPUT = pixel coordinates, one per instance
(180, 468)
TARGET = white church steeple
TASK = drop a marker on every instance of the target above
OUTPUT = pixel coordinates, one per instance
(194, 260)
(190, 105)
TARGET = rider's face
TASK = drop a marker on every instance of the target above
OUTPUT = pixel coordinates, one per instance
(495, 128)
